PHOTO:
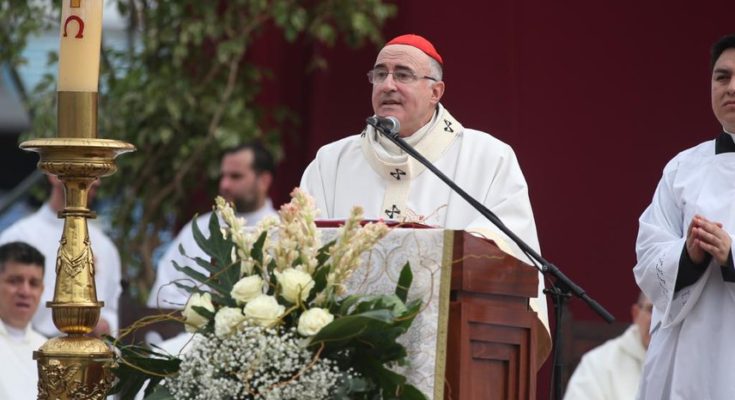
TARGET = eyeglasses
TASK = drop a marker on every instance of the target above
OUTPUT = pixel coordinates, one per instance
(379, 75)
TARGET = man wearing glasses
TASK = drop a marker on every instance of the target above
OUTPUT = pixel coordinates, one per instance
(370, 171)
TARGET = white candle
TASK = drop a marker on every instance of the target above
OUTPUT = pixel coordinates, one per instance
(79, 52)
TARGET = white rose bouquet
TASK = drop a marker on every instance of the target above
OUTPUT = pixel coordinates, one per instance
(273, 321)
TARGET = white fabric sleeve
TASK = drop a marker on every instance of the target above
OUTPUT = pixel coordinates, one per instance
(585, 382)
(108, 280)
(312, 183)
(507, 197)
(165, 294)
(661, 239)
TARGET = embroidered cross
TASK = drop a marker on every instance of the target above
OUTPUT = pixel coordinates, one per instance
(397, 174)
(393, 211)
(448, 127)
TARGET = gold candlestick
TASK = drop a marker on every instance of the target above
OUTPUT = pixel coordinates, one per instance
(75, 366)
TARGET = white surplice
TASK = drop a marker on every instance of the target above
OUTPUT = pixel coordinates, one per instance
(369, 171)
(18, 370)
(692, 353)
(610, 371)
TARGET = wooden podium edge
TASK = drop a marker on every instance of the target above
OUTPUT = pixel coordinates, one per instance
(543, 343)
(442, 331)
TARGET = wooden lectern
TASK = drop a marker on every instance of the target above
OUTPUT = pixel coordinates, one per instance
(496, 344)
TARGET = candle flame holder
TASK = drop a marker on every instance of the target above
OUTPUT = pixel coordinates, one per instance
(76, 366)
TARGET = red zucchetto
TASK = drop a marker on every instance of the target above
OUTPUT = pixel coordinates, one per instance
(419, 43)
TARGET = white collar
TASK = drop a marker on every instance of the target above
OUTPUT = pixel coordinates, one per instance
(15, 334)
(431, 141)
(387, 148)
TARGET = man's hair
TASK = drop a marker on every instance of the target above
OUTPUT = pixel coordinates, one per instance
(725, 43)
(262, 158)
(22, 253)
(436, 69)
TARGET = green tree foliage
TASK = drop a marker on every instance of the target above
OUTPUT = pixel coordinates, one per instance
(181, 93)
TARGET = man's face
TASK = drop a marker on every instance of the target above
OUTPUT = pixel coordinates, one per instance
(239, 183)
(641, 313)
(723, 90)
(21, 286)
(412, 103)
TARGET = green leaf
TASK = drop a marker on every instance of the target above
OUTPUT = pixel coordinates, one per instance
(201, 278)
(393, 385)
(352, 326)
(220, 250)
(257, 252)
(199, 238)
(206, 265)
(203, 312)
(320, 281)
(132, 373)
(346, 304)
(160, 393)
(216, 298)
(404, 282)
(410, 392)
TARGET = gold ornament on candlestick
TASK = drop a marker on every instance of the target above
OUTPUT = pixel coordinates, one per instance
(76, 366)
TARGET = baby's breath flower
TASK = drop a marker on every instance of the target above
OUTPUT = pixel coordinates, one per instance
(254, 363)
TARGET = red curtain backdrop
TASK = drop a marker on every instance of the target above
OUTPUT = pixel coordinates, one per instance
(594, 97)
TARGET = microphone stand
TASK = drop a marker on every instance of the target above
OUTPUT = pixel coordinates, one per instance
(562, 287)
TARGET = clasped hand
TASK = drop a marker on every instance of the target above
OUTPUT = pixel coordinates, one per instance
(707, 237)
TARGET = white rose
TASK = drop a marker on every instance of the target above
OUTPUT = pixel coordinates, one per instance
(193, 319)
(264, 310)
(226, 320)
(313, 320)
(247, 289)
(294, 283)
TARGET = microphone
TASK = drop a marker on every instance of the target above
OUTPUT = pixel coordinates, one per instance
(387, 125)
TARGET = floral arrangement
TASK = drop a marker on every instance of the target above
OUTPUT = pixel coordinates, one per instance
(272, 319)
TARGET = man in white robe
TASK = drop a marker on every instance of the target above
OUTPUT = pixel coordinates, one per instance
(43, 231)
(685, 260)
(370, 171)
(246, 174)
(21, 285)
(612, 371)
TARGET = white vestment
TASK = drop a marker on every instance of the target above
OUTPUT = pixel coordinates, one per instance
(369, 171)
(611, 371)
(42, 230)
(164, 293)
(691, 354)
(18, 370)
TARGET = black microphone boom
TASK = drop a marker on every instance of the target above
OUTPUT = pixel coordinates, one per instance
(386, 125)
(561, 286)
